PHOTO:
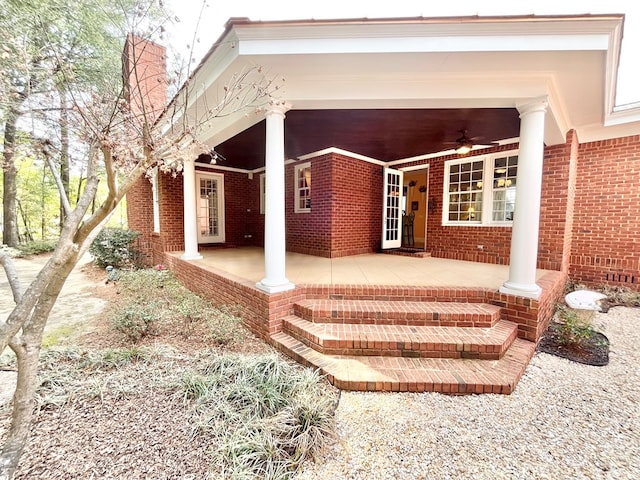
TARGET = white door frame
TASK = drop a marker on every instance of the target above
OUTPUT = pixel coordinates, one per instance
(392, 208)
(425, 197)
(220, 236)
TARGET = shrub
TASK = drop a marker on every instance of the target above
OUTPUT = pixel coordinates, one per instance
(36, 247)
(153, 301)
(114, 246)
(574, 327)
(264, 416)
(136, 320)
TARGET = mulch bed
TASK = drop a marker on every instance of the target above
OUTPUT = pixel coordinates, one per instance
(593, 351)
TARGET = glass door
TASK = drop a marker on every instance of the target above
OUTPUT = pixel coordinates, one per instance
(210, 207)
(392, 209)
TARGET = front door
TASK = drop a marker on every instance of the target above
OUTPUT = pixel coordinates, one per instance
(210, 207)
(392, 209)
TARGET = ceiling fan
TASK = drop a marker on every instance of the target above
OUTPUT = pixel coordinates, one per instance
(463, 144)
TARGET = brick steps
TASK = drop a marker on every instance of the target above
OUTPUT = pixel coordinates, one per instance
(400, 374)
(445, 314)
(403, 340)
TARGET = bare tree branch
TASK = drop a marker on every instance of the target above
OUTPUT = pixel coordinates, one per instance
(56, 176)
(12, 274)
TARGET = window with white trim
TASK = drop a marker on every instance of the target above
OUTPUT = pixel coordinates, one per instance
(505, 170)
(302, 176)
(480, 190)
(156, 201)
(263, 183)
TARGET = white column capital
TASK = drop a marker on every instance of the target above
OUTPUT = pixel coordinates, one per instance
(277, 108)
(540, 104)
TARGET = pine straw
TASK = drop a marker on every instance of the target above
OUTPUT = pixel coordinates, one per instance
(110, 409)
(111, 414)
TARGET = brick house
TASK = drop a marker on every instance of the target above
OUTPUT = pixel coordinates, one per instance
(487, 142)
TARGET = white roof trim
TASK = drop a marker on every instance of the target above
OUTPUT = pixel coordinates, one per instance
(339, 151)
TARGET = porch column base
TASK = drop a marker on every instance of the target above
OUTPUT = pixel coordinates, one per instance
(275, 288)
(521, 290)
(191, 256)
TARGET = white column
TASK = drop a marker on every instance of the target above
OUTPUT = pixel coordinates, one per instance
(275, 279)
(189, 201)
(526, 217)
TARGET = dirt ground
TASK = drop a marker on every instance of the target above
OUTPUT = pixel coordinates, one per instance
(103, 422)
(76, 308)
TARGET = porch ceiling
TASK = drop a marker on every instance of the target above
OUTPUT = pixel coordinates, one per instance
(381, 134)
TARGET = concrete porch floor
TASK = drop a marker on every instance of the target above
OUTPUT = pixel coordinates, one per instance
(368, 269)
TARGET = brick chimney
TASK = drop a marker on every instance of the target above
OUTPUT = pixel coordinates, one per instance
(144, 73)
(145, 88)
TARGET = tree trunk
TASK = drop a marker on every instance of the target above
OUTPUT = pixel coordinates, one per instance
(9, 182)
(23, 406)
(25, 221)
(64, 149)
(27, 349)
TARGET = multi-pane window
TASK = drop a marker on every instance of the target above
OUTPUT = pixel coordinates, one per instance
(505, 170)
(480, 190)
(465, 191)
(303, 187)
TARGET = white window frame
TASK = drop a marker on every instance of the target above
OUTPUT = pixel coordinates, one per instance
(263, 192)
(296, 205)
(220, 238)
(486, 216)
(156, 201)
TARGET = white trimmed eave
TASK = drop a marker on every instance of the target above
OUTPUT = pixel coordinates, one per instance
(456, 64)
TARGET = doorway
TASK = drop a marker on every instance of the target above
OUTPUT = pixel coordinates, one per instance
(210, 207)
(415, 192)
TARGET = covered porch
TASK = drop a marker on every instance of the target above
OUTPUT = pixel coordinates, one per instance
(320, 169)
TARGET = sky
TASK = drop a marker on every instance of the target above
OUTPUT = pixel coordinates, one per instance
(216, 13)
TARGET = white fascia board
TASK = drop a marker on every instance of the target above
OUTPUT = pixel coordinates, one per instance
(340, 151)
(214, 68)
(467, 43)
(611, 73)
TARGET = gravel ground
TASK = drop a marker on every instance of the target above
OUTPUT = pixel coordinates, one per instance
(564, 421)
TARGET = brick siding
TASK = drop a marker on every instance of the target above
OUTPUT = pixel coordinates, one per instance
(606, 224)
(346, 208)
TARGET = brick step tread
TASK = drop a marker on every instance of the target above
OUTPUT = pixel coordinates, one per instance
(401, 374)
(398, 312)
(403, 340)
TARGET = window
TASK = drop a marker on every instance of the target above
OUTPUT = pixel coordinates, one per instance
(263, 183)
(156, 200)
(505, 170)
(470, 199)
(302, 175)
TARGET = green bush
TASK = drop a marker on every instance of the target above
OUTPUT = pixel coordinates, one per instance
(36, 247)
(574, 327)
(153, 301)
(114, 246)
(137, 320)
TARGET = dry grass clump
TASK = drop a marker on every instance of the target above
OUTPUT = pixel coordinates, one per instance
(263, 417)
